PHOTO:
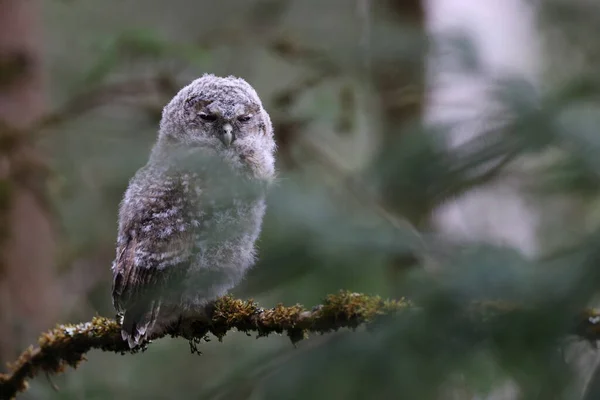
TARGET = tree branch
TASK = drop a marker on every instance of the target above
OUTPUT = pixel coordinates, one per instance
(66, 345)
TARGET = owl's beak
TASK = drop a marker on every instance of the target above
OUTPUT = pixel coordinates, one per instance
(227, 135)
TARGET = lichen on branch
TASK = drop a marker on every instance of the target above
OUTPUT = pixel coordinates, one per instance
(66, 345)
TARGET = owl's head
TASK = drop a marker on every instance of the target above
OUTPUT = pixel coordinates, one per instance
(224, 115)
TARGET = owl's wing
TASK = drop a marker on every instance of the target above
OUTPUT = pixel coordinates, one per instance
(153, 255)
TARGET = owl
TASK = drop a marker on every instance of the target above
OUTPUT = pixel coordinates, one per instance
(189, 219)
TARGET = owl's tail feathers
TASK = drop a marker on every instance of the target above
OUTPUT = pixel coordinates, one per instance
(138, 322)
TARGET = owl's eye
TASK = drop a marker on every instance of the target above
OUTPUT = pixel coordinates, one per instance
(244, 118)
(208, 117)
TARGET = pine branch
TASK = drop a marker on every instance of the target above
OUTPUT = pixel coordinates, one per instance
(66, 345)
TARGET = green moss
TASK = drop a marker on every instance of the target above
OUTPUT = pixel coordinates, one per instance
(67, 344)
(352, 309)
(232, 313)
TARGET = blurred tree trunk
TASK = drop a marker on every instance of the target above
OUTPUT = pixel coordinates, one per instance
(398, 76)
(28, 300)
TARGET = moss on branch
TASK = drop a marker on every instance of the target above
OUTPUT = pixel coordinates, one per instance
(66, 345)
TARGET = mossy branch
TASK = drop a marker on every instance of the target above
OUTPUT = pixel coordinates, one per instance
(66, 345)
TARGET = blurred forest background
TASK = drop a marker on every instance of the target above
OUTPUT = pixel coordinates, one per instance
(443, 150)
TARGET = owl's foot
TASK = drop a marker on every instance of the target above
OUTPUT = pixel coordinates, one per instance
(194, 342)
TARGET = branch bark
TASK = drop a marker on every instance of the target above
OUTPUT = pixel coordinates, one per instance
(66, 345)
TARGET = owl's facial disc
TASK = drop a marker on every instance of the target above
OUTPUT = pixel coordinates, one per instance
(225, 122)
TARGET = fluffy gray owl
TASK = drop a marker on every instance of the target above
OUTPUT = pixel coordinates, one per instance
(190, 217)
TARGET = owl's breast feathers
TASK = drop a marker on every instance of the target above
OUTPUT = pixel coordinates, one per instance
(165, 216)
